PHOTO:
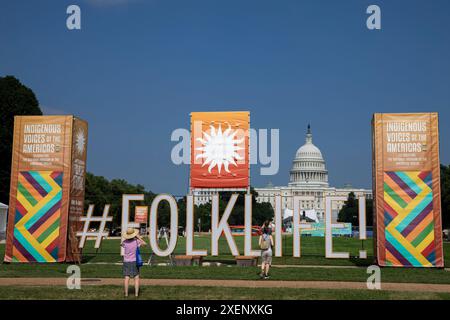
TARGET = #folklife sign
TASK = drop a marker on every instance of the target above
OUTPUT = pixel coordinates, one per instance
(407, 222)
(220, 162)
(220, 150)
(47, 189)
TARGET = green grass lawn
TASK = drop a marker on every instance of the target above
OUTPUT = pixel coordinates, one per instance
(224, 273)
(312, 254)
(209, 293)
(312, 250)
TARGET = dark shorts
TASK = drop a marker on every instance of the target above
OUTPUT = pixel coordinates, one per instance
(130, 269)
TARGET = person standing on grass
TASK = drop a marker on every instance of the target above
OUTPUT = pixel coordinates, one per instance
(266, 244)
(131, 241)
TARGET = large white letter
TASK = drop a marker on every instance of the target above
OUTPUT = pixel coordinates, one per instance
(253, 146)
(328, 230)
(248, 228)
(374, 280)
(274, 159)
(222, 226)
(190, 229)
(180, 152)
(278, 223)
(74, 20)
(126, 198)
(362, 225)
(374, 20)
(297, 226)
(173, 225)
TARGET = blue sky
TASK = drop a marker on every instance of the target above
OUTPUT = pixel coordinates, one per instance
(137, 69)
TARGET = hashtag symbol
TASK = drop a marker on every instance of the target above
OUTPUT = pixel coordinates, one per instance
(100, 233)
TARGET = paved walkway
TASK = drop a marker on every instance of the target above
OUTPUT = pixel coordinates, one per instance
(416, 287)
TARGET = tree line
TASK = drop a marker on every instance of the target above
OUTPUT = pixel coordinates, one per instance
(101, 191)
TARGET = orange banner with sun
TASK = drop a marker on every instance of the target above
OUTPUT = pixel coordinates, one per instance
(220, 150)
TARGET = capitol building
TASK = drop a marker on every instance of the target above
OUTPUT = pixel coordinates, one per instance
(309, 181)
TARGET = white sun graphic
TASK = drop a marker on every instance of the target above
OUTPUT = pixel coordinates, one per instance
(80, 141)
(219, 148)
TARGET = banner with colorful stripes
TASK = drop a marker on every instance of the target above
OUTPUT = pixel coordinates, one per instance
(37, 216)
(408, 218)
(46, 197)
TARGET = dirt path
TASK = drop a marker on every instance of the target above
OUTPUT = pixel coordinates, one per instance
(418, 287)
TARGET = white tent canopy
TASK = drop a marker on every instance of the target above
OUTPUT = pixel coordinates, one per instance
(3, 215)
(287, 213)
(311, 214)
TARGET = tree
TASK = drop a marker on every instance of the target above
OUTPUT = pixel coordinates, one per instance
(15, 99)
(445, 195)
(349, 212)
(203, 212)
(100, 191)
(260, 211)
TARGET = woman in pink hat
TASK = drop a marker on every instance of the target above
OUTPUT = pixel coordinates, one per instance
(130, 243)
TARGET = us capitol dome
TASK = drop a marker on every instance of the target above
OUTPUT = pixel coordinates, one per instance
(308, 180)
(308, 167)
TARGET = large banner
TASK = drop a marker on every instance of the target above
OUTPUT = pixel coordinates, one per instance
(220, 150)
(47, 188)
(406, 168)
(77, 185)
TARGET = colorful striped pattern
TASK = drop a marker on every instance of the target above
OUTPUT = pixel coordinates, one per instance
(37, 216)
(408, 219)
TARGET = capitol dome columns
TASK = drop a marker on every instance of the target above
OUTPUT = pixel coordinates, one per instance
(308, 168)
